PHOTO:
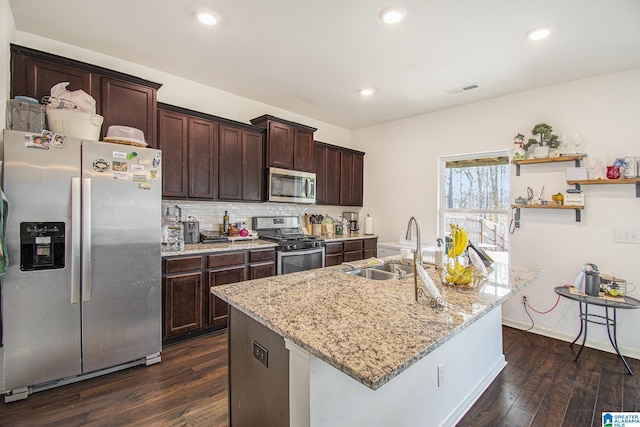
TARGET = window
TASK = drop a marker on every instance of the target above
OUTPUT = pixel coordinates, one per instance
(474, 194)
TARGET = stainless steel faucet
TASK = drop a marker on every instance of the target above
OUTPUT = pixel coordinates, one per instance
(418, 251)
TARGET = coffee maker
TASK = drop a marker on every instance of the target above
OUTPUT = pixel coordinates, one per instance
(352, 217)
(191, 230)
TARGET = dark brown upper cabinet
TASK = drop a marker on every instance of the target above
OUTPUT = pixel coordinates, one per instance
(351, 178)
(241, 169)
(203, 158)
(326, 161)
(128, 104)
(207, 157)
(121, 99)
(173, 141)
(289, 145)
(339, 175)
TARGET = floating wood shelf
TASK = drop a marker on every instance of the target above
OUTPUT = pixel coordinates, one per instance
(576, 158)
(549, 206)
(580, 182)
(518, 206)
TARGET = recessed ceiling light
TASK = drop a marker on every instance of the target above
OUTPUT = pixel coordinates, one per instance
(537, 33)
(392, 14)
(366, 91)
(207, 18)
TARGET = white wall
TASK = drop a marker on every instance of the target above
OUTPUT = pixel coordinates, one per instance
(188, 94)
(401, 180)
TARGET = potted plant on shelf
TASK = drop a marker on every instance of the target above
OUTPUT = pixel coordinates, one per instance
(546, 140)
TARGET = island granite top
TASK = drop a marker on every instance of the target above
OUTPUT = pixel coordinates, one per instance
(372, 330)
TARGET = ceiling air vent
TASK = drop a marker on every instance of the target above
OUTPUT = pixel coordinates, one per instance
(462, 88)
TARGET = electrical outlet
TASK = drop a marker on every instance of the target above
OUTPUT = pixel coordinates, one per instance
(441, 374)
(626, 236)
(261, 353)
(524, 298)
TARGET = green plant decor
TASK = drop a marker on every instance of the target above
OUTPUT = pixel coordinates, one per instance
(545, 135)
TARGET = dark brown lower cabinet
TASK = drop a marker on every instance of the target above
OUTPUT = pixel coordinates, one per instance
(333, 254)
(183, 295)
(221, 270)
(350, 250)
(258, 374)
(353, 250)
(189, 308)
(370, 248)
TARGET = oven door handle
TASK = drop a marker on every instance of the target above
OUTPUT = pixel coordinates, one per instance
(303, 252)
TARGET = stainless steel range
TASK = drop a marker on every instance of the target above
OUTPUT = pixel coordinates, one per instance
(296, 251)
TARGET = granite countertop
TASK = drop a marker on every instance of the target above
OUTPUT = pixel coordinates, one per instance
(372, 330)
(203, 248)
(336, 238)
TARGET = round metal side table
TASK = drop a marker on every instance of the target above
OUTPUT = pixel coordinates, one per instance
(608, 320)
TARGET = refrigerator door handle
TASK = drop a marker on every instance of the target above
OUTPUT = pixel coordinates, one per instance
(75, 239)
(86, 239)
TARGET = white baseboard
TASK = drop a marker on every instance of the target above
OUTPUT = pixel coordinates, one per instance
(474, 394)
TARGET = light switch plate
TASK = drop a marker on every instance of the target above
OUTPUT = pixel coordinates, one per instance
(626, 236)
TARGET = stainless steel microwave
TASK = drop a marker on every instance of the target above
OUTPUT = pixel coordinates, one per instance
(291, 186)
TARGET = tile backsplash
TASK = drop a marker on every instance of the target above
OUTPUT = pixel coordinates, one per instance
(209, 214)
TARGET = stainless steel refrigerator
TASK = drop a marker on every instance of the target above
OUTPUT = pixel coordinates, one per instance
(82, 293)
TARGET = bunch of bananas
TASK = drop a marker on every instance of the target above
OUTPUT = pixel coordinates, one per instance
(457, 273)
(460, 241)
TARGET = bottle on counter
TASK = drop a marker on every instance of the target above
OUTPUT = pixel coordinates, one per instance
(338, 227)
(327, 226)
(225, 223)
(439, 255)
(172, 232)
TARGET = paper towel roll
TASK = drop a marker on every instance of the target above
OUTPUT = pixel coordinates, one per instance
(368, 225)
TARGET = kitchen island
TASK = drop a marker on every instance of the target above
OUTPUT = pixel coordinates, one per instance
(363, 352)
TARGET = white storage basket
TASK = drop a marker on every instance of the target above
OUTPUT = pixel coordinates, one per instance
(76, 124)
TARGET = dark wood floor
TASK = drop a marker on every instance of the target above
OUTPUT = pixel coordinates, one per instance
(188, 388)
(540, 386)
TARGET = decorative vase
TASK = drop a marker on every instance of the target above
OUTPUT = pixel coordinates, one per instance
(613, 172)
(540, 152)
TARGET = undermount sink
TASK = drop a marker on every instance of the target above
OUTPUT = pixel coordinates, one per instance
(372, 273)
(395, 268)
(386, 271)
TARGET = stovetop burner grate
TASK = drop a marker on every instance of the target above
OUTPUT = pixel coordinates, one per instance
(290, 237)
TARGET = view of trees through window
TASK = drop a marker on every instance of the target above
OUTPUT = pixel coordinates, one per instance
(475, 195)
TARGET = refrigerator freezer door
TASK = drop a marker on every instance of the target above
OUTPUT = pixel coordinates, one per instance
(121, 308)
(41, 312)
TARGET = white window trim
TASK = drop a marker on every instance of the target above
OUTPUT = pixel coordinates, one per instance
(442, 160)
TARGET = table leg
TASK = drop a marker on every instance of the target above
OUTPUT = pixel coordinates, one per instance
(614, 340)
(583, 326)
